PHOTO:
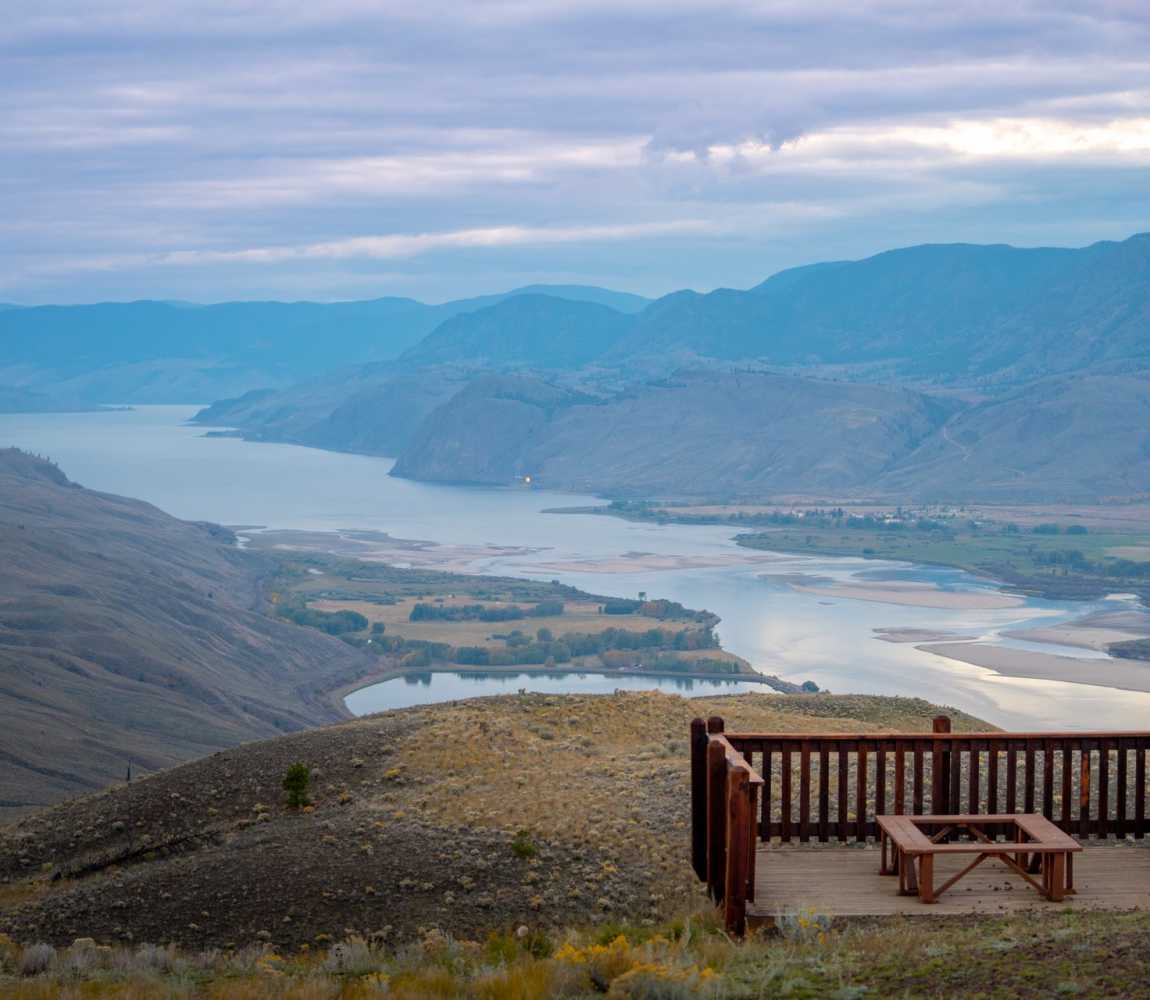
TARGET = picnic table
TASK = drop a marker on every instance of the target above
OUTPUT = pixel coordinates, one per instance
(1037, 847)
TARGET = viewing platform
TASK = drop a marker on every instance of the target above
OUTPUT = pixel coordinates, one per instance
(784, 824)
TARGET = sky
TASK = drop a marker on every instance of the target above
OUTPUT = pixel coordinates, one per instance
(240, 149)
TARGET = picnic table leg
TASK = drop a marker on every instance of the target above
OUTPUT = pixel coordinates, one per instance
(1069, 874)
(926, 879)
(1057, 876)
(907, 872)
(1020, 859)
(884, 869)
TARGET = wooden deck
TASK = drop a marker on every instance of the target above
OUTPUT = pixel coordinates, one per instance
(844, 881)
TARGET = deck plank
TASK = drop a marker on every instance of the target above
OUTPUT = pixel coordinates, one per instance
(845, 882)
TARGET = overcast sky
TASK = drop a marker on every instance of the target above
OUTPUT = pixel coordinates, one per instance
(219, 149)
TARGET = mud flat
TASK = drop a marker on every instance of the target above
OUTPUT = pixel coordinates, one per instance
(1126, 675)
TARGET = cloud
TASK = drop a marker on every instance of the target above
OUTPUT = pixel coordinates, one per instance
(137, 130)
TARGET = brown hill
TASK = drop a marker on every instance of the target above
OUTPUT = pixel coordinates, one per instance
(128, 635)
(415, 815)
(694, 434)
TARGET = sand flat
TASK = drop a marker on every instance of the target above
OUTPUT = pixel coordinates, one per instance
(1082, 636)
(1126, 675)
(917, 596)
(639, 562)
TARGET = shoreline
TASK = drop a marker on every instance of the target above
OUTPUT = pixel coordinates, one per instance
(338, 695)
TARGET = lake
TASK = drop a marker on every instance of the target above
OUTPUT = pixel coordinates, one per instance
(151, 453)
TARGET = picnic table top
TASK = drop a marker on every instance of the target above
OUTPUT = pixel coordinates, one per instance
(1044, 836)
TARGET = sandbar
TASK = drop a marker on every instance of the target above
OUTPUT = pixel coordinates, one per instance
(916, 596)
(1125, 675)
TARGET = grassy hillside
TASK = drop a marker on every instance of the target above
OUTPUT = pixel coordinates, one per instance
(129, 636)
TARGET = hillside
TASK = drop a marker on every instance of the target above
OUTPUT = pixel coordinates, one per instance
(129, 636)
(692, 434)
(1069, 438)
(415, 814)
(535, 331)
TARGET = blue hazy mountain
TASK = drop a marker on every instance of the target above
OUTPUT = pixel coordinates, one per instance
(152, 351)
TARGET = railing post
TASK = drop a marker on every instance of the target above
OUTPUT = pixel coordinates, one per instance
(699, 798)
(715, 724)
(940, 778)
(739, 819)
(716, 818)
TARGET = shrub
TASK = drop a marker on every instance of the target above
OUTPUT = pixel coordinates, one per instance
(36, 959)
(523, 845)
(296, 783)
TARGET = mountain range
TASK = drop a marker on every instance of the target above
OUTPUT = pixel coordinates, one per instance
(178, 352)
(929, 372)
(932, 372)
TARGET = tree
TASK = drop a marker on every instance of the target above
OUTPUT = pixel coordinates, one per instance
(296, 783)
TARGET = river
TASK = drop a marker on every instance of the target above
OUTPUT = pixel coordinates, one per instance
(151, 453)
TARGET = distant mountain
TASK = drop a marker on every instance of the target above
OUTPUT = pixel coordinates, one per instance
(953, 314)
(127, 635)
(15, 399)
(171, 352)
(694, 434)
(624, 302)
(530, 330)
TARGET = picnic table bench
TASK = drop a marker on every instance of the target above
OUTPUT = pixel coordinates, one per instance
(1038, 846)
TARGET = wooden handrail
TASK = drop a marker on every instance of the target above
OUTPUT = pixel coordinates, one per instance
(736, 738)
(724, 791)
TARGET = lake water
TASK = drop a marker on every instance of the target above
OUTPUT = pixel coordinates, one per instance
(151, 453)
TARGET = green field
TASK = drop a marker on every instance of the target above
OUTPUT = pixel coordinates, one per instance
(1057, 565)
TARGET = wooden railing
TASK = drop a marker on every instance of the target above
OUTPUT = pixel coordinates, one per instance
(831, 786)
(724, 797)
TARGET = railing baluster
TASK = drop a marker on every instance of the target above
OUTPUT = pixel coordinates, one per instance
(1140, 788)
(1048, 780)
(1030, 777)
(785, 793)
(805, 794)
(765, 774)
(861, 785)
(843, 787)
(880, 782)
(1103, 826)
(1084, 793)
(824, 791)
(899, 778)
(1120, 793)
(1011, 776)
(955, 799)
(1067, 789)
(918, 752)
(973, 783)
(992, 778)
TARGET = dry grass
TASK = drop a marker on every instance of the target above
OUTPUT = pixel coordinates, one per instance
(1059, 954)
(605, 771)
